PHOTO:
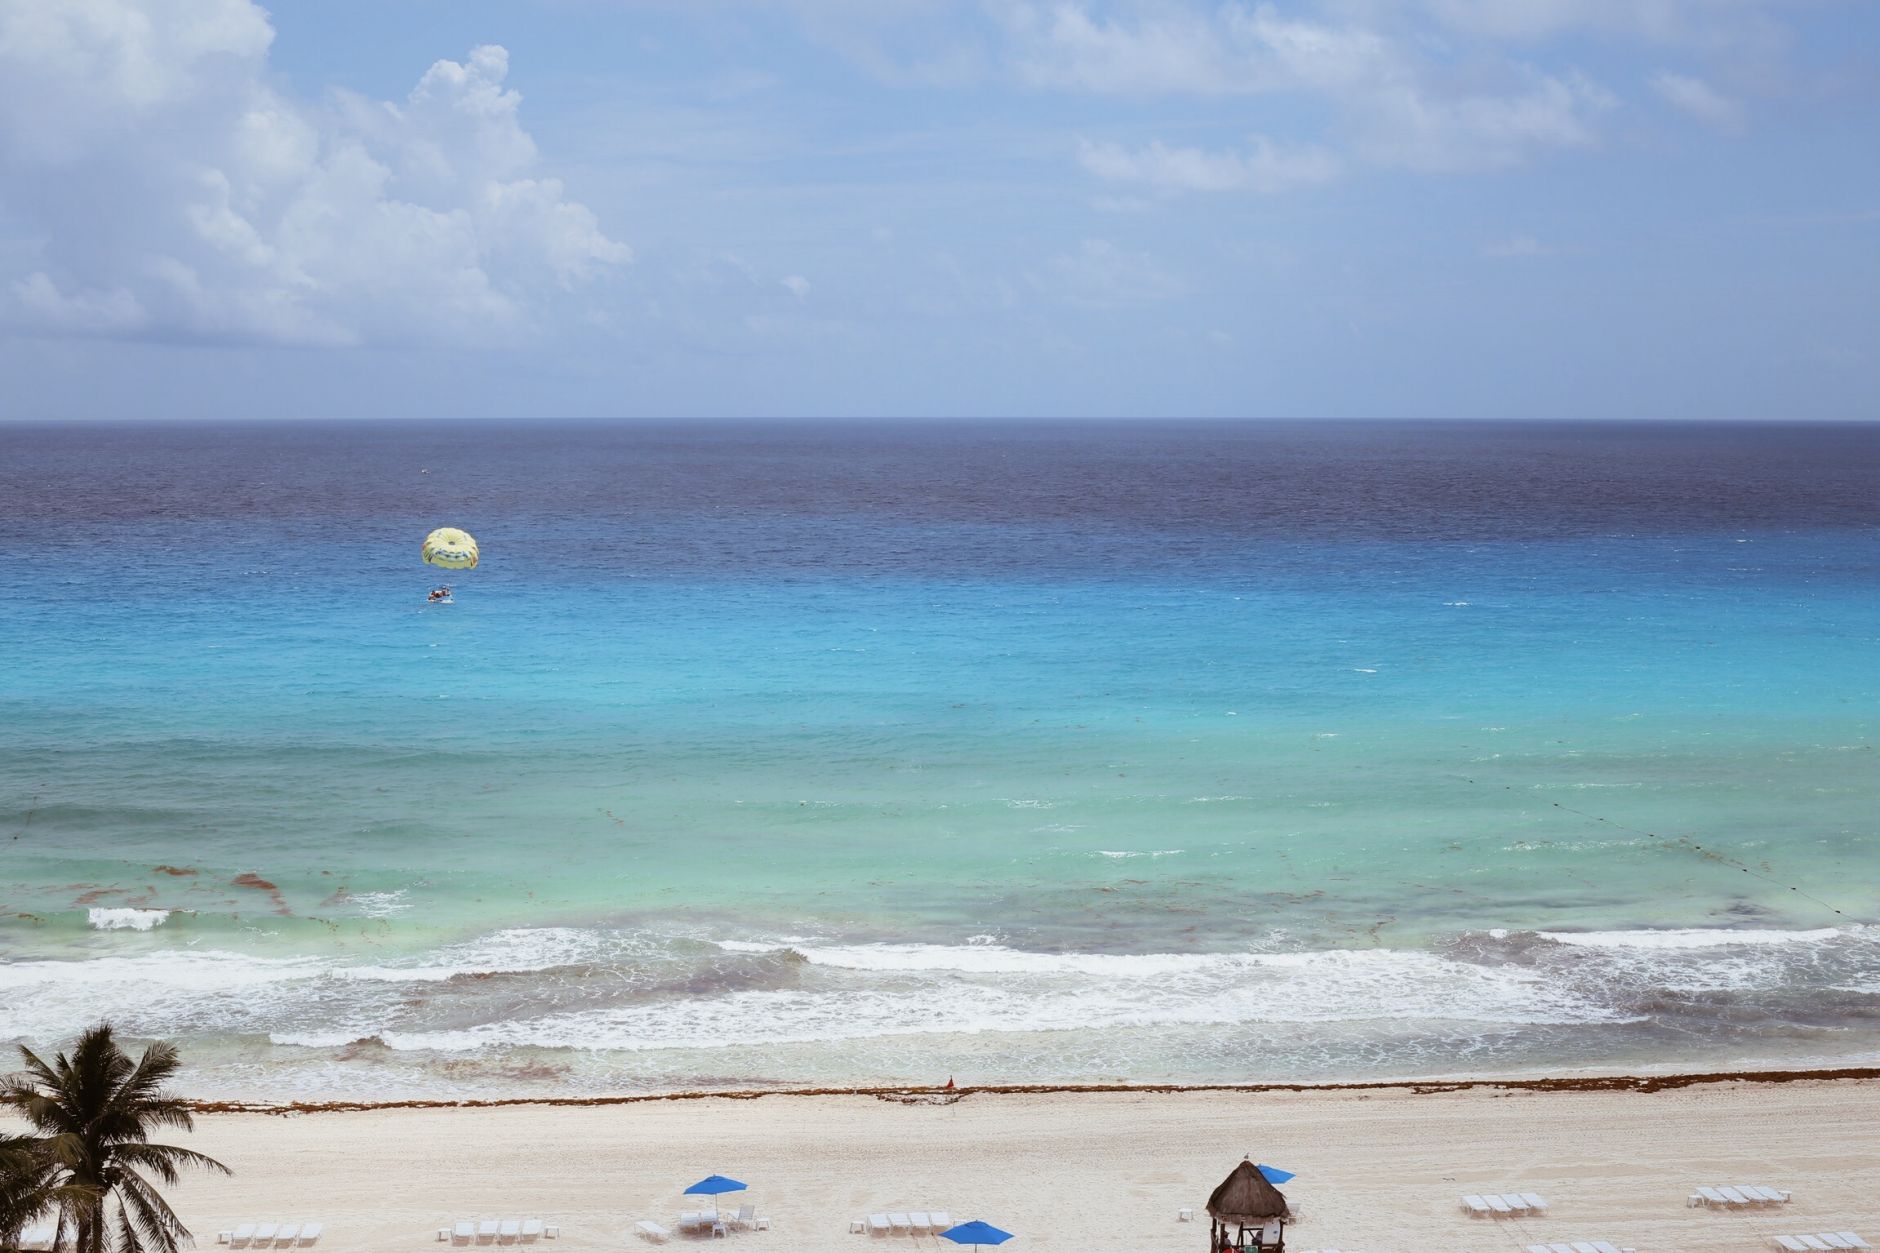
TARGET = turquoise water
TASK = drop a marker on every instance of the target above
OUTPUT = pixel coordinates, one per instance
(803, 754)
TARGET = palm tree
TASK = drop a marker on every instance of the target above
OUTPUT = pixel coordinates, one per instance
(25, 1186)
(94, 1112)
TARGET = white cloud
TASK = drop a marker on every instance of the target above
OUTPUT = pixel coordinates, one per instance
(1265, 167)
(171, 191)
(1403, 99)
(1698, 99)
(1174, 48)
(1418, 129)
(1099, 275)
(797, 285)
(1515, 246)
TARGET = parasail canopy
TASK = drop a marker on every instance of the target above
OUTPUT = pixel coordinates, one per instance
(450, 548)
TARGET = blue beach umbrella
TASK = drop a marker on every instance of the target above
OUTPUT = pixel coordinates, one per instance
(713, 1185)
(1274, 1174)
(976, 1233)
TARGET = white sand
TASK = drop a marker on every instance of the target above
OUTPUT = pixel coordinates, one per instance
(1379, 1171)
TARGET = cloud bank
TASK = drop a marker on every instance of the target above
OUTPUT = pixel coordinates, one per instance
(164, 188)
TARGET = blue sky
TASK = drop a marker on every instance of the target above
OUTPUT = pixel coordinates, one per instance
(1420, 208)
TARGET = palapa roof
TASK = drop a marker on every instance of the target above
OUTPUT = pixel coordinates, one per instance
(1246, 1197)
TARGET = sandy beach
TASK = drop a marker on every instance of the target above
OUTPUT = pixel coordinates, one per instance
(1379, 1170)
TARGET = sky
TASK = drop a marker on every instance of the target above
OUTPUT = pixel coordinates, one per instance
(1324, 208)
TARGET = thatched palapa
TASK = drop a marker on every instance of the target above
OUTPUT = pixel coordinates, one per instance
(1246, 1199)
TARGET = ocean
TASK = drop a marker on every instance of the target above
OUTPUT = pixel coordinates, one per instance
(809, 754)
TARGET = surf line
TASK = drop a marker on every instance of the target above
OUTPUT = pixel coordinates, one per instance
(1710, 853)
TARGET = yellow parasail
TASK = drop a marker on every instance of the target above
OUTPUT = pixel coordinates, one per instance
(450, 548)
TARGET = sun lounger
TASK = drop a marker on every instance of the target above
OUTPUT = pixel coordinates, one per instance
(917, 1222)
(240, 1237)
(1712, 1197)
(901, 1222)
(509, 1231)
(1790, 1243)
(486, 1231)
(531, 1230)
(1773, 1196)
(1475, 1206)
(1733, 1196)
(1853, 1241)
(1495, 1203)
(1534, 1203)
(1834, 1241)
(310, 1234)
(264, 1235)
(878, 1225)
(285, 1237)
(1814, 1242)
(1561, 1248)
(941, 1220)
(650, 1230)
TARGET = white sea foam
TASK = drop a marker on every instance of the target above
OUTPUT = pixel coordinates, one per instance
(127, 919)
(1695, 937)
(381, 904)
(1160, 852)
(886, 991)
(860, 991)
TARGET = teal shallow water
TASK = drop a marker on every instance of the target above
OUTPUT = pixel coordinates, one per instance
(802, 783)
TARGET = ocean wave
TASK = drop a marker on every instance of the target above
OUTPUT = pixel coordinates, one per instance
(127, 919)
(1697, 937)
(638, 990)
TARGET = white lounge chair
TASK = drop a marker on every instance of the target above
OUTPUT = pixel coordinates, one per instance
(240, 1237)
(1475, 1206)
(900, 1222)
(1834, 1241)
(942, 1220)
(1496, 1203)
(285, 1237)
(1814, 1242)
(918, 1222)
(1713, 1197)
(264, 1235)
(1534, 1203)
(1853, 1241)
(486, 1231)
(463, 1232)
(650, 1230)
(878, 1225)
(310, 1234)
(1733, 1196)
(1790, 1243)
(531, 1230)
